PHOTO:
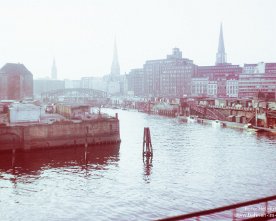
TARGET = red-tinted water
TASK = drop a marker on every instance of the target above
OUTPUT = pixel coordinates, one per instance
(194, 167)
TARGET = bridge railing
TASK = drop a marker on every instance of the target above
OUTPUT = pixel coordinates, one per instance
(265, 211)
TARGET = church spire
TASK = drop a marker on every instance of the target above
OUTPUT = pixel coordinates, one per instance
(54, 70)
(221, 55)
(115, 68)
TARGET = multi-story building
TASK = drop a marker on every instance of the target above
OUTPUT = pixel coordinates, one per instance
(135, 82)
(96, 83)
(212, 88)
(232, 88)
(72, 83)
(176, 76)
(170, 77)
(200, 86)
(16, 82)
(256, 78)
(226, 77)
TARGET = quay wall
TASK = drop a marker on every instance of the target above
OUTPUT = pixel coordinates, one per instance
(248, 114)
(60, 134)
(237, 112)
(218, 113)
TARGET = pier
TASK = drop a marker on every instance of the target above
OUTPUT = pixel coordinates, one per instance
(232, 113)
(29, 128)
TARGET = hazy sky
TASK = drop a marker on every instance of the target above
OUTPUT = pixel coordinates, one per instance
(80, 33)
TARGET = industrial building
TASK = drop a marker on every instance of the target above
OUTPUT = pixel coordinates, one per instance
(16, 82)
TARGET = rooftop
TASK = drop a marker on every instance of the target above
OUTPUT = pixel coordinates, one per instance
(15, 68)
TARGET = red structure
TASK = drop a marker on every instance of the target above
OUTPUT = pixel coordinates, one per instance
(16, 82)
(221, 74)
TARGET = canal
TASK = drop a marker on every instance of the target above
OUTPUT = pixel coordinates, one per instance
(194, 167)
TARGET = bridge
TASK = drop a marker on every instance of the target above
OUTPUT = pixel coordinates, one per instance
(74, 95)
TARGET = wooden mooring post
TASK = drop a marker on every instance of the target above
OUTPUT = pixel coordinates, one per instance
(13, 158)
(147, 146)
(85, 151)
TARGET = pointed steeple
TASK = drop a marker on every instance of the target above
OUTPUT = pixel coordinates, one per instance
(115, 67)
(54, 70)
(221, 55)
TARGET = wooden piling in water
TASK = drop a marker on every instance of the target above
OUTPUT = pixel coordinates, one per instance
(86, 145)
(147, 145)
(13, 157)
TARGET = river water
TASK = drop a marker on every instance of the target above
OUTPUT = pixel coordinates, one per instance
(194, 167)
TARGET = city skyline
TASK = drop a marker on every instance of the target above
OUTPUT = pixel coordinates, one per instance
(88, 50)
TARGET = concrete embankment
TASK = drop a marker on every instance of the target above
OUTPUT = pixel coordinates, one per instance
(213, 122)
(60, 134)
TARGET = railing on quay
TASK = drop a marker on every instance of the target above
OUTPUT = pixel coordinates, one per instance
(250, 109)
(266, 215)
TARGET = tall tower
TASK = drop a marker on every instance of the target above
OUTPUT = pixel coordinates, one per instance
(115, 67)
(221, 55)
(54, 70)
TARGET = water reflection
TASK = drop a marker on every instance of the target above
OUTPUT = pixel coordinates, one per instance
(28, 166)
(195, 167)
(266, 136)
(147, 168)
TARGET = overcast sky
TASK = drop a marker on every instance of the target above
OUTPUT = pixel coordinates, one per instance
(80, 33)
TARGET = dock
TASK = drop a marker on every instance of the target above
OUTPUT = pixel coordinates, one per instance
(30, 129)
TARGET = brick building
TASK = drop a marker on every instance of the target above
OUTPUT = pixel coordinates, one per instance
(223, 79)
(135, 82)
(16, 82)
(199, 86)
(176, 77)
(170, 77)
(257, 78)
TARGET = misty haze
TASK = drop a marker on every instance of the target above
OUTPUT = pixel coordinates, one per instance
(137, 110)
